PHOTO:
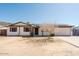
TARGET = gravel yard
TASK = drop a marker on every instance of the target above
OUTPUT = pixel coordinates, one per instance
(36, 46)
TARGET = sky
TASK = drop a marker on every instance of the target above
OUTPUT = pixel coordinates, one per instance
(62, 13)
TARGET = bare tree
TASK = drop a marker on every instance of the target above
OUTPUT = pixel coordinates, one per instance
(46, 27)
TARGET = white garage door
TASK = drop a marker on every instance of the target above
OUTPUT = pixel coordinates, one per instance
(63, 31)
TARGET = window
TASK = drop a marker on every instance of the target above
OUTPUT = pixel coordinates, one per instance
(14, 29)
(26, 29)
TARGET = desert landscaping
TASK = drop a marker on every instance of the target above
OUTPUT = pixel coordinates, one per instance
(36, 46)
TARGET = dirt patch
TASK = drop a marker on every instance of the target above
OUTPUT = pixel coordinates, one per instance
(36, 46)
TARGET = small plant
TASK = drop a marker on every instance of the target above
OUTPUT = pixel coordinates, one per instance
(52, 34)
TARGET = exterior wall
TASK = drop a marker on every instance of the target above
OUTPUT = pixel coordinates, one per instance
(63, 31)
(40, 33)
(21, 32)
(44, 33)
(12, 33)
(58, 31)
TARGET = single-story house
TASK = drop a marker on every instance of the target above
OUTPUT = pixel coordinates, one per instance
(27, 29)
(19, 29)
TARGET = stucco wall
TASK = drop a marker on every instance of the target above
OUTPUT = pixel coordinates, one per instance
(63, 31)
(44, 33)
(59, 31)
(12, 33)
(21, 32)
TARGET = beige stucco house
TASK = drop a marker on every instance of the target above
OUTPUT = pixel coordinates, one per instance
(20, 29)
(27, 29)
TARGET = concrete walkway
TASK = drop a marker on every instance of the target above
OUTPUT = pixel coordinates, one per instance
(73, 40)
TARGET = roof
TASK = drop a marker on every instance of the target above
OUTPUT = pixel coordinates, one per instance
(64, 26)
(57, 25)
(23, 24)
(19, 23)
(35, 25)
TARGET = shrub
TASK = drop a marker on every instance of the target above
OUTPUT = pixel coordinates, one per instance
(52, 34)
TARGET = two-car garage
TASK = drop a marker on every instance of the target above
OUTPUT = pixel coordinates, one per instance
(63, 30)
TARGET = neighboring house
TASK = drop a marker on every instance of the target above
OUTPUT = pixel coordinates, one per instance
(3, 31)
(76, 31)
(27, 29)
(3, 28)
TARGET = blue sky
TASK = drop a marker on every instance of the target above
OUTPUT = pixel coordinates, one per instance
(41, 13)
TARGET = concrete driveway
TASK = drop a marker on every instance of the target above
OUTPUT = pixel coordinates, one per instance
(73, 40)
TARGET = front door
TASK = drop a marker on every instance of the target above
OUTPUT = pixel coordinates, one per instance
(36, 31)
